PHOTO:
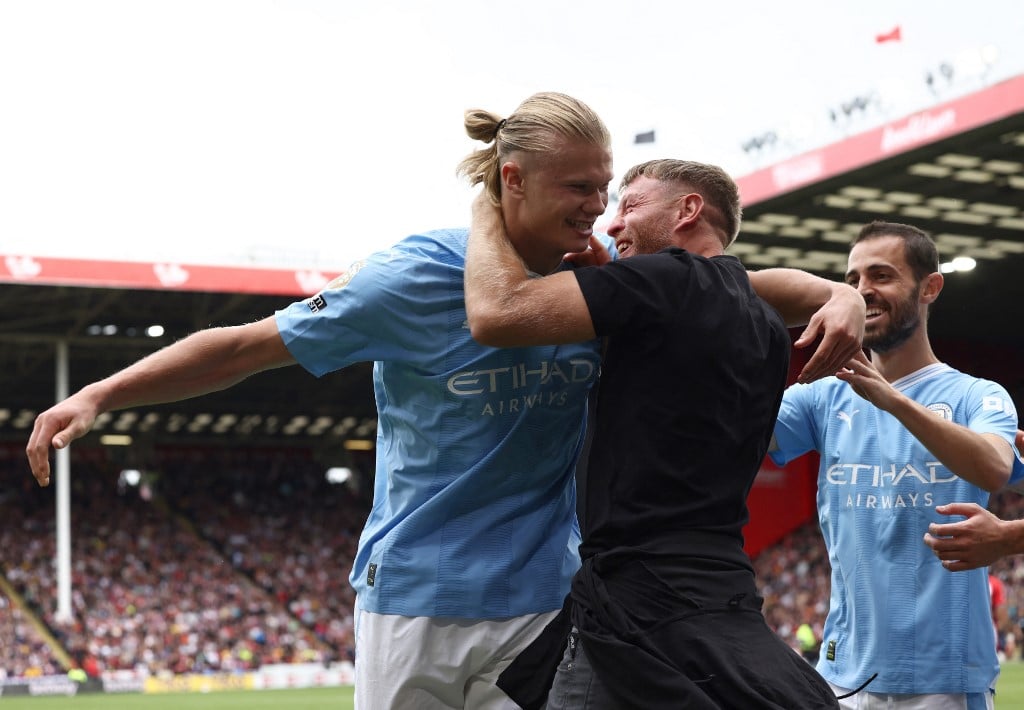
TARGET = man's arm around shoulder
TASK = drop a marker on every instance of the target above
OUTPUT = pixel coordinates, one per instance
(504, 305)
(833, 311)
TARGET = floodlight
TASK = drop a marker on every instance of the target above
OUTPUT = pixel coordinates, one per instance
(338, 474)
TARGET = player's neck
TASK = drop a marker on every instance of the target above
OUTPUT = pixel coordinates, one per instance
(909, 357)
(706, 245)
(538, 257)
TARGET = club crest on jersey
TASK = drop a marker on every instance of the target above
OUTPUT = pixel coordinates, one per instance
(943, 410)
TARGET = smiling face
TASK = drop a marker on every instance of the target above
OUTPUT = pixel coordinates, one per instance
(646, 217)
(878, 269)
(551, 201)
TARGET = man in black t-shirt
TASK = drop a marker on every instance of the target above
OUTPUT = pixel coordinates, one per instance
(664, 611)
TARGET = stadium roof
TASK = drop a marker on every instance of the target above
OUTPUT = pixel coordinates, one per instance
(104, 312)
(955, 169)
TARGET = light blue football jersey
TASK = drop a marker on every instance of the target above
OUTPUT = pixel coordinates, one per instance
(474, 498)
(894, 609)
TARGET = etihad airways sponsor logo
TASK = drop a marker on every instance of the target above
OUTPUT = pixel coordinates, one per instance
(522, 403)
(488, 381)
(887, 501)
(853, 474)
(518, 387)
(917, 129)
(882, 479)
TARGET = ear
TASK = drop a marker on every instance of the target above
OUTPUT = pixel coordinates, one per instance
(690, 208)
(512, 179)
(931, 287)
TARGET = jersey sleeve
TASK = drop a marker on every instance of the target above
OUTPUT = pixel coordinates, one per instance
(1017, 475)
(991, 411)
(382, 308)
(797, 428)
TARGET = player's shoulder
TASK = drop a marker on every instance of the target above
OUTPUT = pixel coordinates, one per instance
(822, 395)
(442, 245)
(829, 387)
(439, 249)
(972, 385)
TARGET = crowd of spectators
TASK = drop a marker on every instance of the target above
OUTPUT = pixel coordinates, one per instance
(223, 560)
(284, 526)
(23, 651)
(793, 577)
(148, 592)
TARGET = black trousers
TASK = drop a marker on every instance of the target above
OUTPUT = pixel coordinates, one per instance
(681, 637)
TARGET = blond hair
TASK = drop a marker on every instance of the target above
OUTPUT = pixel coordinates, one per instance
(532, 128)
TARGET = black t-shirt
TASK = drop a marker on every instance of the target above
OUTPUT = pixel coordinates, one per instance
(691, 383)
(665, 602)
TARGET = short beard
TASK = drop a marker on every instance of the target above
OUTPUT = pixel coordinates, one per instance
(900, 331)
(893, 338)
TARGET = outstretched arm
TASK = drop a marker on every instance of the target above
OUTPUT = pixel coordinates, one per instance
(204, 362)
(504, 305)
(979, 458)
(831, 310)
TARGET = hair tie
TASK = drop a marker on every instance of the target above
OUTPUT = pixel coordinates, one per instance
(501, 124)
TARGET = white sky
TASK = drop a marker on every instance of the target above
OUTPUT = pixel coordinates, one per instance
(309, 133)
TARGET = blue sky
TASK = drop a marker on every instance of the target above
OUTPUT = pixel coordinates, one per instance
(309, 133)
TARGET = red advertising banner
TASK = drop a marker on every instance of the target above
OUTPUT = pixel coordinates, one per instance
(29, 269)
(933, 124)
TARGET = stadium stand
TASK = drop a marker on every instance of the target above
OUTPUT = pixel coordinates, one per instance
(793, 577)
(24, 653)
(279, 522)
(151, 594)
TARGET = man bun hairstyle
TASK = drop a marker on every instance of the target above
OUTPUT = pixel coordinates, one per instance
(533, 128)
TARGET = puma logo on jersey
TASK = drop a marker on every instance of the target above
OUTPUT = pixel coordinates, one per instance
(848, 418)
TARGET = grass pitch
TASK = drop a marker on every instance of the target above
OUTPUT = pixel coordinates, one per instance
(300, 699)
(1010, 686)
(1009, 695)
